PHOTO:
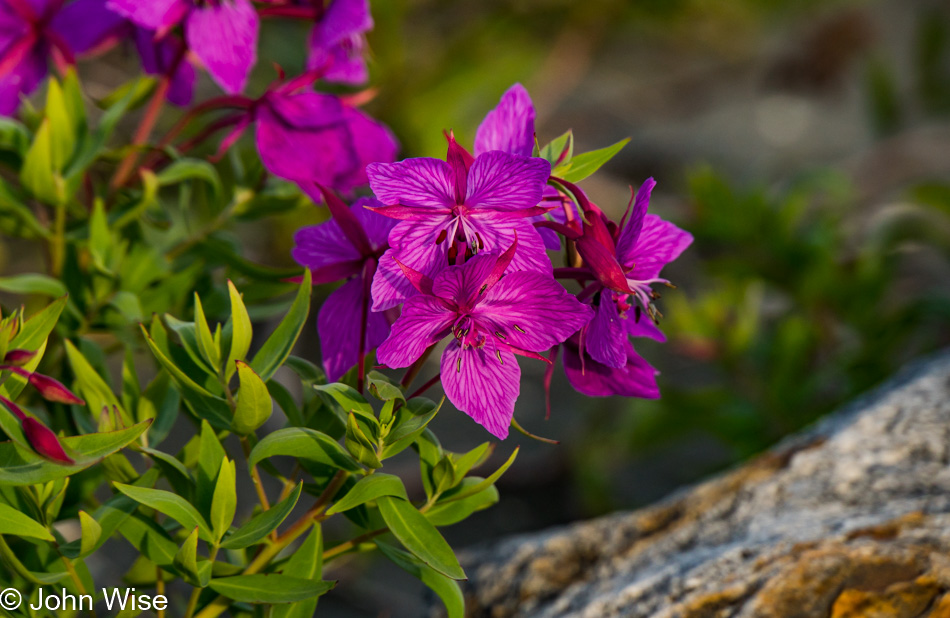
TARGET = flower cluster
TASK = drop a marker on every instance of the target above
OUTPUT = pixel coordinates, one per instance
(460, 246)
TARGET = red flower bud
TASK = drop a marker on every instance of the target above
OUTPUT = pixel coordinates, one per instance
(53, 390)
(12, 407)
(44, 441)
(18, 357)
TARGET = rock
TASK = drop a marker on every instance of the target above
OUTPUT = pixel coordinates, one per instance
(850, 518)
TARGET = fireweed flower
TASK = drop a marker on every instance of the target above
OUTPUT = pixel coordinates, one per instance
(221, 33)
(346, 247)
(450, 208)
(33, 30)
(338, 42)
(167, 57)
(491, 316)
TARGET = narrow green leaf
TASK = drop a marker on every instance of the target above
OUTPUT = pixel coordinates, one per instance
(16, 523)
(420, 412)
(190, 169)
(419, 536)
(383, 388)
(37, 173)
(303, 443)
(269, 588)
(210, 456)
(560, 150)
(92, 388)
(465, 492)
(263, 523)
(280, 344)
(446, 514)
(91, 533)
(254, 404)
(224, 501)
(206, 343)
(62, 127)
(369, 488)
(187, 563)
(583, 165)
(306, 562)
(359, 444)
(33, 284)
(241, 330)
(346, 397)
(150, 539)
(447, 589)
(170, 504)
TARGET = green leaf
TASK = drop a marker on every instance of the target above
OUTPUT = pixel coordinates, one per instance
(62, 126)
(15, 523)
(346, 398)
(206, 343)
(91, 533)
(190, 169)
(359, 444)
(254, 404)
(241, 330)
(186, 561)
(446, 514)
(19, 466)
(419, 536)
(263, 523)
(150, 539)
(583, 165)
(12, 205)
(269, 588)
(410, 423)
(33, 284)
(471, 490)
(303, 443)
(280, 344)
(170, 504)
(306, 562)
(224, 501)
(370, 488)
(447, 589)
(92, 388)
(557, 147)
(209, 407)
(383, 388)
(37, 173)
(210, 456)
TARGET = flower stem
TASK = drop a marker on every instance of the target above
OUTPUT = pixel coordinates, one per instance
(142, 134)
(432, 382)
(342, 548)
(415, 368)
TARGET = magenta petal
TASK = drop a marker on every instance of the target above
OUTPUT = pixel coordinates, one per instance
(413, 182)
(510, 126)
(23, 79)
(644, 327)
(462, 284)
(660, 243)
(502, 181)
(371, 141)
(337, 43)
(423, 323)
(339, 323)
(318, 246)
(605, 339)
(152, 14)
(84, 24)
(532, 311)
(498, 235)
(632, 227)
(44, 441)
(636, 379)
(377, 226)
(603, 263)
(224, 37)
(390, 287)
(482, 384)
(158, 58)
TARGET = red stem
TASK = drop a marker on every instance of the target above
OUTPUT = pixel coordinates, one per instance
(432, 382)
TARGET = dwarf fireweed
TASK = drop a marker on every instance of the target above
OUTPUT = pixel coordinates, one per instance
(140, 391)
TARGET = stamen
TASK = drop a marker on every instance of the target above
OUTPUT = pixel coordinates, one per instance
(482, 289)
(500, 335)
(458, 365)
(442, 236)
(520, 330)
(500, 359)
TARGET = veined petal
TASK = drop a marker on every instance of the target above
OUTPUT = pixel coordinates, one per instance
(483, 383)
(497, 236)
(423, 323)
(23, 79)
(644, 327)
(224, 37)
(377, 226)
(414, 244)
(660, 243)
(532, 311)
(510, 126)
(627, 241)
(318, 246)
(636, 379)
(501, 181)
(462, 283)
(154, 14)
(339, 323)
(306, 110)
(606, 338)
(372, 142)
(413, 182)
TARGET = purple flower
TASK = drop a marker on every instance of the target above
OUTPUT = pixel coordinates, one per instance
(338, 42)
(346, 247)
(491, 316)
(448, 209)
(510, 126)
(32, 30)
(312, 137)
(222, 33)
(166, 56)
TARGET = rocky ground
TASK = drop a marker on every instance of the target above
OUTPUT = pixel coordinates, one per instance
(850, 518)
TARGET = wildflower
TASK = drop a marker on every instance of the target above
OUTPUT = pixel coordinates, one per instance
(338, 42)
(491, 316)
(167, 57)
(221, 33)
(448, 209)
(33, 30)
(346, 247)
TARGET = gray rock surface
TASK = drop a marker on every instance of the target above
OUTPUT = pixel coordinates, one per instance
(849, 518)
